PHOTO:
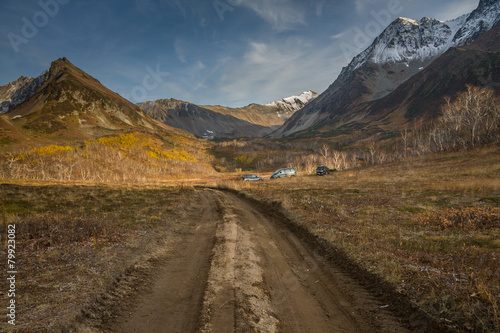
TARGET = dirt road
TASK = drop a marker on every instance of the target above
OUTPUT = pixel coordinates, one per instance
(235, 269)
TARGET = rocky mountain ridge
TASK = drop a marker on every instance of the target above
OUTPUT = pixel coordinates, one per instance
(407, 40)
(66, 104)
(15, 93)
(293, 104)
(404, 49)
(254, 120)
(215, 121)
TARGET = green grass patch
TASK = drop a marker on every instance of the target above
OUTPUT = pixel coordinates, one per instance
(494, 200)
(19, 207)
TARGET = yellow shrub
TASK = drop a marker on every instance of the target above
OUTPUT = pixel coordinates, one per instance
(176, 154)
(51, 150)
(123, 141)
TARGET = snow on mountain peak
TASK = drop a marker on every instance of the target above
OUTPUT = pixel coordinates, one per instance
(485, 17)
(294, 103)
(15, 93)
(407, 21)
(408, 40)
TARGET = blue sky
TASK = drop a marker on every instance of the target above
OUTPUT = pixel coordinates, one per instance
(208, 52)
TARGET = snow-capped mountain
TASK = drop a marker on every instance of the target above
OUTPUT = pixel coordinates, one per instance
(294, 103)
(409, 41)
(481, 20)
(15, 93)
(215, 121)
(404, 49)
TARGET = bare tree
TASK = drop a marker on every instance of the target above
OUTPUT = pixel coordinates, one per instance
(325, 152)
(404, 137)
(336, 159)
(373, 151)
(309, 161)
(474, 110)
(343, 156)
(472, 118)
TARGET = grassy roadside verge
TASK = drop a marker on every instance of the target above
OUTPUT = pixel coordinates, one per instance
(430, 226)
(73, 242)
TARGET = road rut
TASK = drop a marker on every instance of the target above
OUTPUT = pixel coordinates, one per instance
(235, 269)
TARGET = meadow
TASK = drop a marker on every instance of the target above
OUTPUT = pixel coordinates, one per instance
(428, 225)
(76, 243)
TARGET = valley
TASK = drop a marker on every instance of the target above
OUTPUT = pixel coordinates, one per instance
(392, 237)
(133, 217)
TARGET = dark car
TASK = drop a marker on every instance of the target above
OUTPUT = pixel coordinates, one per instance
(322, 170)
(286, 172)
(251, 177)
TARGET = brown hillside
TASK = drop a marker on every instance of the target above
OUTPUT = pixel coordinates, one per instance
(72, 105)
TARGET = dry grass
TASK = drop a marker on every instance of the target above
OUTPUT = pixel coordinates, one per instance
(126, 157)
(429, 225)
(74, 241)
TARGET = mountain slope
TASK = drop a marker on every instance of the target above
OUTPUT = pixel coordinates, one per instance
(404, 49)
(421, 97)
(481, 20)
(215, 121)
(293, 104)
(200, 121)
(66, 104)
(15, 93)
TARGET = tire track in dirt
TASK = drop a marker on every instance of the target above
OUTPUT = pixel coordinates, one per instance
(234, 299)
(173, 301)
(303, 293)
(236, 269)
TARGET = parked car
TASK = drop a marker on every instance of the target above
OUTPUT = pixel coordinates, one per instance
(251, 177)
(322, 170)
(286, 172)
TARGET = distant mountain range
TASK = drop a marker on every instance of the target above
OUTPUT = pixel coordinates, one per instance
(372, 94)
(64, 103)
(400, 79)
(210, 122)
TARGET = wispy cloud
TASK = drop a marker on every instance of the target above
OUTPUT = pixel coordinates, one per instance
(180, 50)
(319, 8)
(250, 57)
(340, 35)
(177, 4)
(278, 69)
(281, 14)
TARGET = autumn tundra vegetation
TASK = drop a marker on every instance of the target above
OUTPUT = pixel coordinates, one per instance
(467, 121)
(471, 119)
(128, 157)
(419, 209)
